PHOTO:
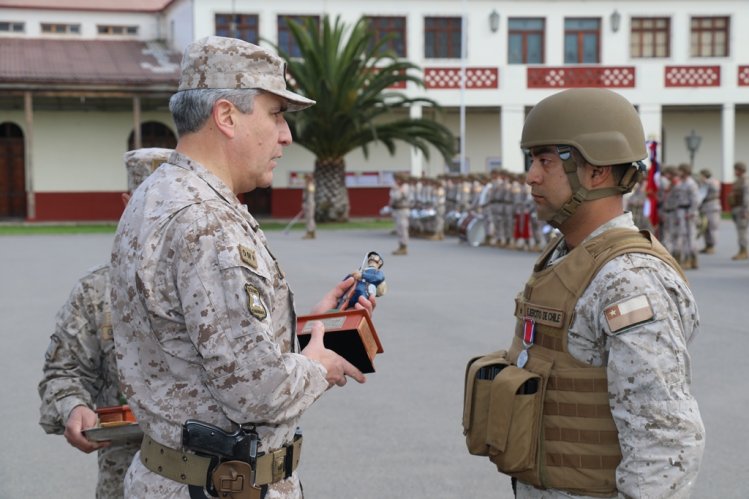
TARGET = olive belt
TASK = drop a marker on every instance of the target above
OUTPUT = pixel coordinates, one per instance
(191, 469)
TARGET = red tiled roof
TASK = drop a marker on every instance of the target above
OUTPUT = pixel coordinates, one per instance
(71, 63)
(91, 5)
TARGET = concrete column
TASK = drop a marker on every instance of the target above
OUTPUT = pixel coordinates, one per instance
(28, 111)
(512, 117)
(728, 144)
(651, 116)
(417, 158)
(137, 138)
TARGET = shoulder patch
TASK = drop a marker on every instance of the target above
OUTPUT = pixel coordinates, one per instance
(628, 313)
(254, 303)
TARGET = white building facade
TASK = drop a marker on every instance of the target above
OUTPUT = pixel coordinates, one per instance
(683, 64)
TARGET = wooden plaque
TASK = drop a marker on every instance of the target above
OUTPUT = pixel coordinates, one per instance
(349, 333)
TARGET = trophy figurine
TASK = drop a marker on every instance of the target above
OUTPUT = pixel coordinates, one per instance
(370, 280)
(349, 331)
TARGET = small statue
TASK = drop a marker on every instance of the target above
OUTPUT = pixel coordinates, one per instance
(369, 280)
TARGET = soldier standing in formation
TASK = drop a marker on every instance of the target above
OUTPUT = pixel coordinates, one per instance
(669, 215)
(710, 210)
(738, 202)
(604, 320)
(399, 206)
(308, 206)
(687, 209)
(204, 319)
(80, 372)
(635, 203)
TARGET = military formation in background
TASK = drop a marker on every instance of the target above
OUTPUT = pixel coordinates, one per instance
(689, 210)
(482, 210)
(497, 209)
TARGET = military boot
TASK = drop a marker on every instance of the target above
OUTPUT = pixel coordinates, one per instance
(741, 255)
(402, 250)
(709, 250)
(694, 262)
(309, 235)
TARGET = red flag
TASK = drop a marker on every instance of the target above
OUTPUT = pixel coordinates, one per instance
(652, 185)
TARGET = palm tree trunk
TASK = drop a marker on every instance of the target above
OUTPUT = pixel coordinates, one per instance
(331, 195)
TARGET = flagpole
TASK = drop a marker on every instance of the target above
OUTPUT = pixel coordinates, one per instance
(463, 88)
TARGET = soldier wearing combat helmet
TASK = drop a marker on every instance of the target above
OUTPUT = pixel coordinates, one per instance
(603, 322)
(80, 373)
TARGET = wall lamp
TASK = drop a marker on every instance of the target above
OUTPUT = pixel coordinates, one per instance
(693, 142)
(494, 21)
(616, 20)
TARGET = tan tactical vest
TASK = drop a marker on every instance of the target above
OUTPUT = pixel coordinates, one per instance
(578, 448)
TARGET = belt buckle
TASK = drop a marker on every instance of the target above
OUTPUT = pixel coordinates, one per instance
(279, 464)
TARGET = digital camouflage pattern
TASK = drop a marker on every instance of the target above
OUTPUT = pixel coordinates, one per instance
(228, 63)
(140, 163)
(79, 369)
(204, 321)
(661, 433)
(399, 204)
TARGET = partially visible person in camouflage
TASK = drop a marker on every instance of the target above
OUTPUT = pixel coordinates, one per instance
(204, 319)
(669, 210)
(400, 195)
(604, 320)
(308, 206)
(738, 202)
(636, 202)
(710, 210)
(687, 208)
(80, 373)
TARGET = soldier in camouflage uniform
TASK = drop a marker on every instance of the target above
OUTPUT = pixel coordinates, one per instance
(400, 196)
(669, 210)
(80, 373)
(710, 209)
(738, 202)
(687, 209)
(308, 206)
(204, 319)
(628, 327)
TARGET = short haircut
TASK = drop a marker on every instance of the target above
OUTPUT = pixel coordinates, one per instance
(191, 108)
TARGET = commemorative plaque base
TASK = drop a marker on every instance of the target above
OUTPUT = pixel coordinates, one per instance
(349, 333)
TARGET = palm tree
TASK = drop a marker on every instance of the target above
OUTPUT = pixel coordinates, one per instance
(351, 75)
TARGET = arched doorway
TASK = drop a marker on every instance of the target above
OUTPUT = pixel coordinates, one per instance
(153, 134)
(12, 172)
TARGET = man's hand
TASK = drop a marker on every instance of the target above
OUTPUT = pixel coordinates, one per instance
(338, 367)
(82, 418)
(330, 300)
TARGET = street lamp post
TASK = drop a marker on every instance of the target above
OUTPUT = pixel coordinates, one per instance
(693, 142)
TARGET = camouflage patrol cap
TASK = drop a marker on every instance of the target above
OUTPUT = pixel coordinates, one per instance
(140, 163)
(740, 167)
(229, 63)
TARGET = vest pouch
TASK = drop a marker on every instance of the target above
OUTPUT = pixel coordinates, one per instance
(480, 372)
(514, 415)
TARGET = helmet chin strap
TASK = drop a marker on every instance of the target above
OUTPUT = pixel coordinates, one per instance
(580, 194)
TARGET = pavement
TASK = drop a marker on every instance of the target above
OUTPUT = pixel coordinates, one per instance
(398, 435)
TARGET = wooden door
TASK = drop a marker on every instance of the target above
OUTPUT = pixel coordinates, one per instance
(12, 172)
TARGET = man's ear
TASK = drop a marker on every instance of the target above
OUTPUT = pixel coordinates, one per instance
(224, 117)
(125, 198)
(599, 175)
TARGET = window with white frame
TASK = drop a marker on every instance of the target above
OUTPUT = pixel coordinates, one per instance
(61, 29)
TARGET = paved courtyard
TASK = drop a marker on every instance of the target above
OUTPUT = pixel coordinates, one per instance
(399, 435)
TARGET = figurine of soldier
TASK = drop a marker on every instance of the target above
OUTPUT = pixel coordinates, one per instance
(370, 280)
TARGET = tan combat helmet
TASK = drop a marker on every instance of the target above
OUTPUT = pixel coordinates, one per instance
(140, 163)
(602, 125)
